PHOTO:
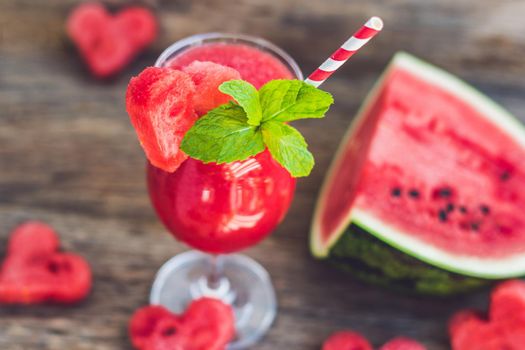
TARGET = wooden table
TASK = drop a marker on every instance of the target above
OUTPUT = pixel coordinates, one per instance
(69, 156)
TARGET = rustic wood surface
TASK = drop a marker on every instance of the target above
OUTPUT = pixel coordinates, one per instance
(69, 156)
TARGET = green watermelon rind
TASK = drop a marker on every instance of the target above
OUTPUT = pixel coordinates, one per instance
(374, 261)
(487, 268)
(464, 265)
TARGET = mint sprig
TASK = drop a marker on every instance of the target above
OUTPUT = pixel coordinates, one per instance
(258, 119)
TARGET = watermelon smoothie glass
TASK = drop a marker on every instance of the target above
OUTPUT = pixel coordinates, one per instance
(224, 208)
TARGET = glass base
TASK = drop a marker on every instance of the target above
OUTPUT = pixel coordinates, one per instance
(245, 285)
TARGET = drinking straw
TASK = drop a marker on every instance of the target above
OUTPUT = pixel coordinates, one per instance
(347, 50)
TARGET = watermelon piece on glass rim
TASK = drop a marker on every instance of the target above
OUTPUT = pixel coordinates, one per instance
(427, 187)
(160, 105)
(164, 103)
(207, 77)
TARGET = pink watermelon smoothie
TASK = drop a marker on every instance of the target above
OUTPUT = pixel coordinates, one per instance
(227, 207)
(255, 66)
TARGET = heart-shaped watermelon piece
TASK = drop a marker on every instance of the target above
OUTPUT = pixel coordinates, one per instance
(346, 340)
(402, 343)
(164, 103)
(502, 328)
(207, 324)
(351, 340)
(160, 105)
(108, 42)
(35, 271)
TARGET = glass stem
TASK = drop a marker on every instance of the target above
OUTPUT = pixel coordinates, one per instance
(216, 273)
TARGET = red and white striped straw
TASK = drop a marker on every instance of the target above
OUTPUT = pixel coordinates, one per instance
(347, 50)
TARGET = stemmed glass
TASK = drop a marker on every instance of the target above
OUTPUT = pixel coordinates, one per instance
(218, 210)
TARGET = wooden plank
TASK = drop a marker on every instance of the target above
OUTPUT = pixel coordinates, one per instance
(69, 156)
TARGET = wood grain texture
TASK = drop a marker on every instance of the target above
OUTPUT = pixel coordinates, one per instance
(69, 156)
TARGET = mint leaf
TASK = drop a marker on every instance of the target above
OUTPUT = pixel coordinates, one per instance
(223, 135)
(287, 100)
(288, 147)
(246, 96)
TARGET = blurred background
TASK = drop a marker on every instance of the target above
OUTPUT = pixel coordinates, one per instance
(69, 156)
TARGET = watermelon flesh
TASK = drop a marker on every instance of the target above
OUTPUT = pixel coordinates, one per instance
(160, 106)
(207, 77)
(351, 340)
(346, 340)
(503, 327)
(449, 177)
(164, 103)
(402, 343)
(433, 169)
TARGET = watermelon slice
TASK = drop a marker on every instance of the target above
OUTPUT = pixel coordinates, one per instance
(164, 103)
(402, 343)
(159, 103)
(346, 340)
(503, 327)
(207, 77)
(428, 186)
(351, 340)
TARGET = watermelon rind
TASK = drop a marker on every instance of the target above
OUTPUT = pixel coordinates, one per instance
(484, 268)
(376, 262)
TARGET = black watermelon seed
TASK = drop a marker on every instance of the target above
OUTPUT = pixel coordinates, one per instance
(484, 209)
(413, 193)
(450, 207)
(504, 176)
(444, 192)
(474, 226)
(396, 192)
(53, 267)
(463, 209)
(442, 214)
(168, 332)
